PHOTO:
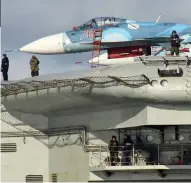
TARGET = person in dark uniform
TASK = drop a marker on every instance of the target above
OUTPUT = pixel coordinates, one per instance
(175, 43)
(127, 147)
(147, 50)
(113, 148)
(5, 67)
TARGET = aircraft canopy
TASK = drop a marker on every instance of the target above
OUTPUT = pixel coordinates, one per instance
(101, 21)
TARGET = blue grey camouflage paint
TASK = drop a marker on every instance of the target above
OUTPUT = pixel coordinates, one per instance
(118, 32)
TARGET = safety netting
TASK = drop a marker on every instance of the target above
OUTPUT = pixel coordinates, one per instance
(71, 84)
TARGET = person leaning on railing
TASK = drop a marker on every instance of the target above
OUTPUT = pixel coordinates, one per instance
(114, 150)
(127, 148)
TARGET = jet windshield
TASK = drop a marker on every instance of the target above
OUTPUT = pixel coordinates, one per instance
(102, 21)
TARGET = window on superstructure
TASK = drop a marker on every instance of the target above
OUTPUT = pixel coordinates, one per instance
(8, 147)
(54, 177)
(34, 178)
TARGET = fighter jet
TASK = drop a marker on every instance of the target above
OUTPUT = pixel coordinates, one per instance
(109, 33)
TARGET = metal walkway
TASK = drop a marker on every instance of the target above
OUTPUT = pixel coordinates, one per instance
(140, 168)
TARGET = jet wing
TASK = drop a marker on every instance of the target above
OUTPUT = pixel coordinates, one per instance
(140, 42)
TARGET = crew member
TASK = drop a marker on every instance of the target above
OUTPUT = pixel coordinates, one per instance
(5, 67)
(147, 50)
(113, 148)
(175, 43)
(34, 62)
(127, 147)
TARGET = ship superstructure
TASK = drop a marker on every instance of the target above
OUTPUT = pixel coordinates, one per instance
(58, 127)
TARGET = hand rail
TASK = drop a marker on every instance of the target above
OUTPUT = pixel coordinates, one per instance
(134, 156)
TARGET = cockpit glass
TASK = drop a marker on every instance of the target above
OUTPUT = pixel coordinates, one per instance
(87, 24)
(101, 21)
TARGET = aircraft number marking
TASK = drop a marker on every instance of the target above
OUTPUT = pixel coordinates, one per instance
(91, 34)
(88, 33)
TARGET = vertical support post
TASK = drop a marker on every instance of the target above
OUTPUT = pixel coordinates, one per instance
(119, 136)
(158, 154)
(182, 152)
(121, 159)
(133, 155)
(100, 155)
(107, 158)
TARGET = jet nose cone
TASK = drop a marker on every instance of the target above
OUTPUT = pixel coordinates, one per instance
(48, 45)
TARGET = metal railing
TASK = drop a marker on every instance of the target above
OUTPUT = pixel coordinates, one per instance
(141, 156)
(167, 60)
(80, 83)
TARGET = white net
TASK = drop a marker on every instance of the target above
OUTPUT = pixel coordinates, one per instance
(80, 84)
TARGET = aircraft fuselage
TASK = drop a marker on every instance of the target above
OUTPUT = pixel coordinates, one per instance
(118, 33)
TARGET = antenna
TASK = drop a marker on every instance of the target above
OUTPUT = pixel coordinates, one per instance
(158, 18)
(12, 50)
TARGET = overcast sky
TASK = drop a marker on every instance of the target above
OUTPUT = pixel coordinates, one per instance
(24, 21)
